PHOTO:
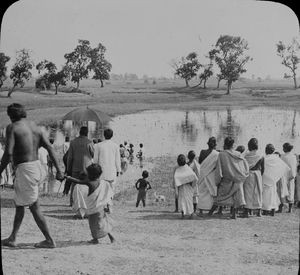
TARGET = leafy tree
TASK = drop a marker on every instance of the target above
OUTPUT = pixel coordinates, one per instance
(98, 64)
(187, 67)
(50, 74)
(20, 71)
(289, 56)
(58, 78)
(45, 69)
(3, 60)
(220, 77)
(78, 61)
(229, 56)
(205, 75)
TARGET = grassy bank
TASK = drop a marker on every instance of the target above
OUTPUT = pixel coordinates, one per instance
(129, 97)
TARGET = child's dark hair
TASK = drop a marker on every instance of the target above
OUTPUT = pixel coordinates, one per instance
(94, 171)
(145, 174)
(240, 149)
(191, 155)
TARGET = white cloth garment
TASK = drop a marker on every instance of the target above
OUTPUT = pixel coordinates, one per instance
(207, 183)
(291, 160)
(99, 198)
(107, 155)
(28, 177)
(185, 180)
(275, 169)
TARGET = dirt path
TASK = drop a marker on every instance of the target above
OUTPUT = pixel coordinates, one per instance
(152, 240)
(155, 240)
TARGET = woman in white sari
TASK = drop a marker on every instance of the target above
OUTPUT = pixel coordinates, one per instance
(275, 169)
(184, 182)
(253, 183)
(207, 183)
(291, 160)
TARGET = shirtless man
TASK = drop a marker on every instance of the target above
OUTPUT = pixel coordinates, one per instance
(23, 139)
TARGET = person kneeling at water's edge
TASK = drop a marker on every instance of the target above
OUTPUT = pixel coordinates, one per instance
(99, 196)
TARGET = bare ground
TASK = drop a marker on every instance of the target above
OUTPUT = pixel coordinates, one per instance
(152, 240)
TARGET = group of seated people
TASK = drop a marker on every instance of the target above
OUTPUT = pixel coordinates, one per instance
(241, 181)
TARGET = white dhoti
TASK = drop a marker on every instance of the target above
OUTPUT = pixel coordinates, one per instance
(26, 185)
(80, 194)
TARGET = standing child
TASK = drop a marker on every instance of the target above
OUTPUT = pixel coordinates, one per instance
(130, 151)
(142, 185)
(141, 154)
(193, 163)
(99, 196)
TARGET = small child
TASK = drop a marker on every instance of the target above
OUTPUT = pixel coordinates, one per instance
(99, 196)
(131, 151)
(240, 149)
(142, 185)
(140, 154)
(196, 168)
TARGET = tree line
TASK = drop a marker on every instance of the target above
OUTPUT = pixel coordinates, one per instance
(82, 61)
(229, 55)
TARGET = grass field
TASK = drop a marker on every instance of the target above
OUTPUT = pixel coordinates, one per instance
(153, 240)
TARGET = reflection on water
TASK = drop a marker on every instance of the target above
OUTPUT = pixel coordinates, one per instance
(175, 132)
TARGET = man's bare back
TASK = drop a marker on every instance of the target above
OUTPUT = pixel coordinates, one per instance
(26, 137)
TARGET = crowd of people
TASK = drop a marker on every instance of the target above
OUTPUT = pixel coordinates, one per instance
(237, 179)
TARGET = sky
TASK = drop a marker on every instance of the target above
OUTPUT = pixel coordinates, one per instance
(144, 36)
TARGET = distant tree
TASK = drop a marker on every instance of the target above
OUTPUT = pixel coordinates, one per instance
(187, 67)
(206, 74)
(58, 78)
(45, 68)
(229, 56)
(130, 76)
(3, 69)
(50, 75)
(289, 55)
(98, 64)
(78, 61)
(220, 77)
(20, 71)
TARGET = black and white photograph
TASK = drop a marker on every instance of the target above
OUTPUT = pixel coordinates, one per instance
(149, 137)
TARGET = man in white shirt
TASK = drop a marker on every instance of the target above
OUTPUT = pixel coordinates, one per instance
(107, 155)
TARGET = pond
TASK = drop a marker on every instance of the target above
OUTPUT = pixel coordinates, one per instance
(174, 132)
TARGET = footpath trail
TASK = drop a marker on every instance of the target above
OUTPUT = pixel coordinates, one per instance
(152, 240)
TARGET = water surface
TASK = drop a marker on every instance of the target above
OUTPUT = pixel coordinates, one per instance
(174, 132)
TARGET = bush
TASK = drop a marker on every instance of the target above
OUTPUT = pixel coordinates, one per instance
(42, 83)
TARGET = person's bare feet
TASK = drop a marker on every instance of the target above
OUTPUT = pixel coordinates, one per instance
(45, 244)
(8, 242)
(93, 241)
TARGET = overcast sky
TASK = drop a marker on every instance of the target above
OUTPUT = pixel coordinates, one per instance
(143, 36)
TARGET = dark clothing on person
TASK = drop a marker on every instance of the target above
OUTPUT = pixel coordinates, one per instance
(80, 155)
(260, 165)
(142, 186)
(204, 154)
